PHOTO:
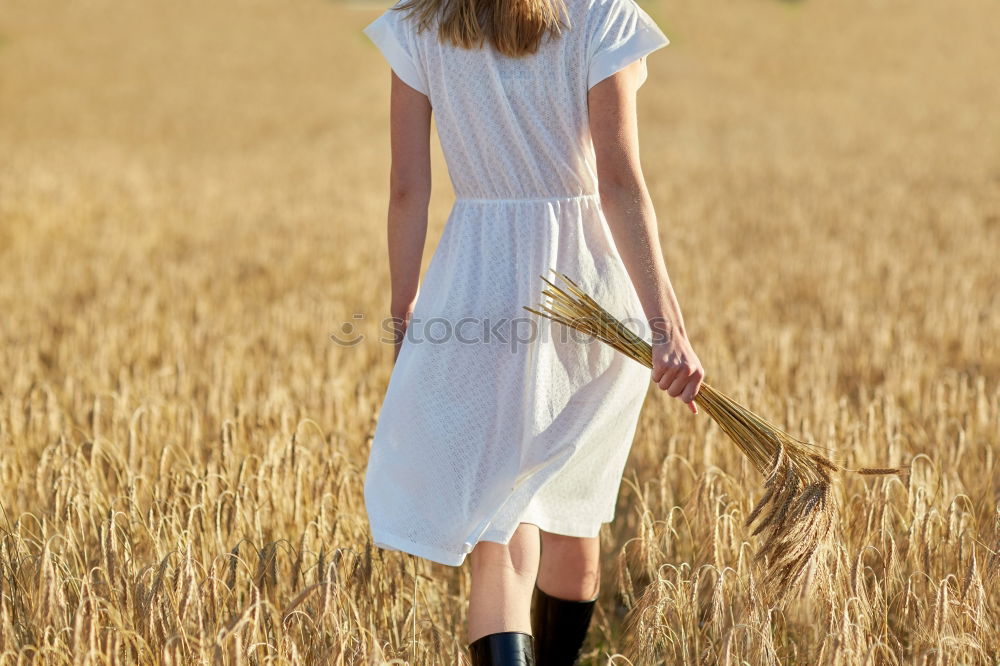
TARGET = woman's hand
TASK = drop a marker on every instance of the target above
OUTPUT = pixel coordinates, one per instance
(677, 370)
(400, 315)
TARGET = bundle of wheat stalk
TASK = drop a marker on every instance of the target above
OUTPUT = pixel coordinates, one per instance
(796, 515)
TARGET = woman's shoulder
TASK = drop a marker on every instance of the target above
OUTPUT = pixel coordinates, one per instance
(404, 17)
(597, 13)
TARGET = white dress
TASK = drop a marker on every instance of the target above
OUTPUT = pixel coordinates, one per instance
(494, 416)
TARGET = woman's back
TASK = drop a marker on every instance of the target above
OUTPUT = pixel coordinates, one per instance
(493, 419)
(517, 128)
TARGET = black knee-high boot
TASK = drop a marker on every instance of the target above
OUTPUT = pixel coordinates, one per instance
(507, 648)
(560, 628)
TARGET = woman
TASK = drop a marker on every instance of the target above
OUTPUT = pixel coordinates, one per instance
(501, 436)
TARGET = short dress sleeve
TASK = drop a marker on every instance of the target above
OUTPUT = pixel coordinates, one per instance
(393, 34)
(623, 33)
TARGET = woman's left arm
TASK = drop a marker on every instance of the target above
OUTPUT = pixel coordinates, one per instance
(409, 195)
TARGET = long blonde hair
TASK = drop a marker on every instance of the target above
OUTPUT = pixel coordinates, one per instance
(513, 27)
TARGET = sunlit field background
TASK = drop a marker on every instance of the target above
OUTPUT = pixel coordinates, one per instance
(192, 201)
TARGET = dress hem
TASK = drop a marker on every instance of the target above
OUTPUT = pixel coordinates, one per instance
(565, 528)
(389, 541)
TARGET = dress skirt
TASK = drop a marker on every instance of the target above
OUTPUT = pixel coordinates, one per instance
(494, 416)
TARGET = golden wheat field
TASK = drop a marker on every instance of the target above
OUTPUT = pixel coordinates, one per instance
(192, 201)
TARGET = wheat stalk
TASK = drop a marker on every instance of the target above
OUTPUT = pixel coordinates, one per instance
(796, 514)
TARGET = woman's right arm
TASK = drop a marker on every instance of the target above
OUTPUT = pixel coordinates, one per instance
(629, 211)
(409, 195)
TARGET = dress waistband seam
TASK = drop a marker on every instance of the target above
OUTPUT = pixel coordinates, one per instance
(567, 197)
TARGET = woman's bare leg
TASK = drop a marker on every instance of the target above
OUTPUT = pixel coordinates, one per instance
(570, 567)
(503, 579)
